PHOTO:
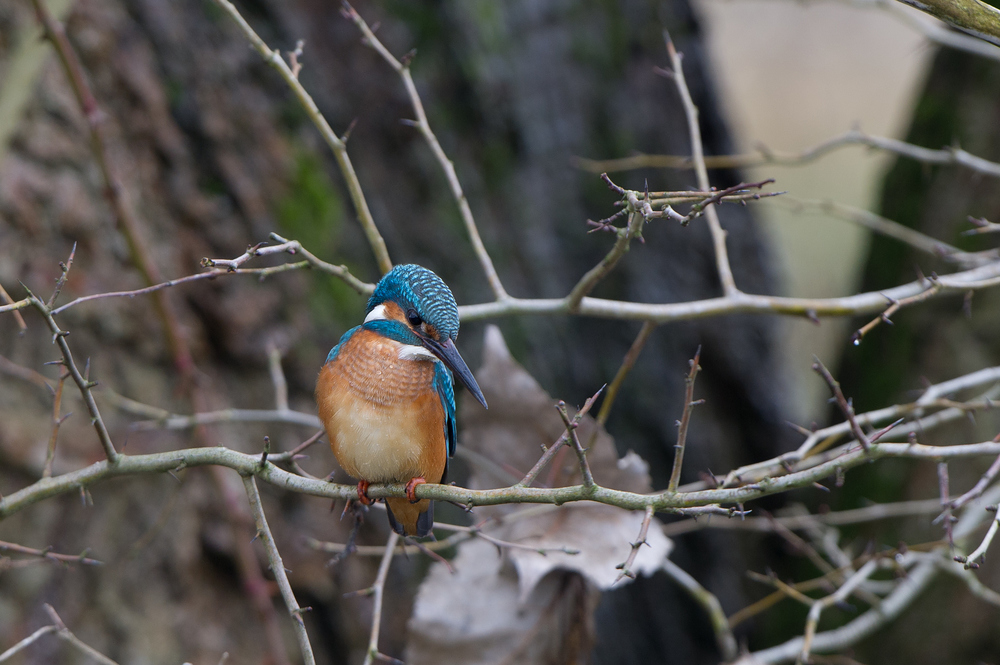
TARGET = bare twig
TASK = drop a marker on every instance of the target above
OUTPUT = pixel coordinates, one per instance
(62, 277)
(627, 363)
(26, 642)
(277, 377)
(278, 569)
(839, 596)
(286, 246)
(720, 625)
(67, 636)
(47, 553)
(978, 489)
(57, 420)
(336, 144)
(978, 554)
(701, 172)
(376, 592)
(59, 337)
(685, 421)
(982, 225)
(423, 126)
(562, 440)
(843, 403)
(946, 516)
(895, 230)
(5, 297)
(581, 454)
(765, 156)
(626, 567)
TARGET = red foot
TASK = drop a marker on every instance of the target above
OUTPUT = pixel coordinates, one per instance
(411, 489)
(363, 493)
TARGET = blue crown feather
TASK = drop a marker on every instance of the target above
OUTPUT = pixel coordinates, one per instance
(416, 287)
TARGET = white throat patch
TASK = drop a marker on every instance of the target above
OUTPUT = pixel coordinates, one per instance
(411, 352)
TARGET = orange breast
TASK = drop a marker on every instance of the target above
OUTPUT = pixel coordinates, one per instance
(382, 415)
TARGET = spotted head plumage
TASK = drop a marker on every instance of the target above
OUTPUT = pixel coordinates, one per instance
(419, 291)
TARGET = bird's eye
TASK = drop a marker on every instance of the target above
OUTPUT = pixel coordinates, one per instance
(413, 317)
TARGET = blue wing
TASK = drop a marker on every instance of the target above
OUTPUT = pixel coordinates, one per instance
(446, 391)
(343, 338)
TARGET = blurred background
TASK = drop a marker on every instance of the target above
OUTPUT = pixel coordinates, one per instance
(214, 153)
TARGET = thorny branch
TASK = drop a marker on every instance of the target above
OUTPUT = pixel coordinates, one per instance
(626, 566)
(684, 422)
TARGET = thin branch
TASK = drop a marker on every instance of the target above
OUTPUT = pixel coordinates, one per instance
(286, 246)
(593, 276)
(336, 144)
(67, 636)
(978, 554)
(895, 230)
(843, 403)
(59, 337)
(562, 440)
(626, 567)
(720, 625)
(57, 421)
(978, 489)
(982, 225)
(376, 591)
(423, 126)
(277, 376)
(766, 156)
(839, 596)
(26, 642)
(278, 569)
(701, 172)
(581, 454)
(10, 307)
(62, 277)
(627, 363)
(47, 553)
(685, 421)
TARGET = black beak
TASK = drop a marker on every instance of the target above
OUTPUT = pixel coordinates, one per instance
(449, 355)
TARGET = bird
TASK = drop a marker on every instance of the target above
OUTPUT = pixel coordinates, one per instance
(386, 394)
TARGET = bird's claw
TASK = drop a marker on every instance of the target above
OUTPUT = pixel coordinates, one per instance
(363, 493)
(411, 489)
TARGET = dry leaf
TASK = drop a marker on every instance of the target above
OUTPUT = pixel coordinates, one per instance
(523, 604)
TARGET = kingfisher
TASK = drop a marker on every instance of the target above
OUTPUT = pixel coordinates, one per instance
(386, 394)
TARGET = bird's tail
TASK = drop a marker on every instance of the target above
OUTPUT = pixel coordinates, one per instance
(410, 519)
